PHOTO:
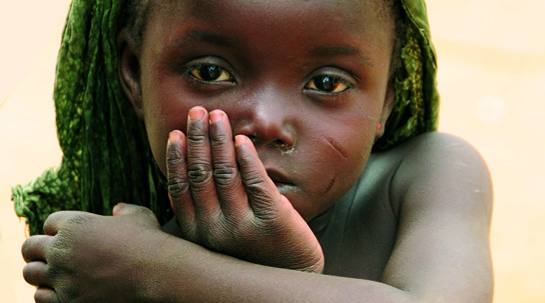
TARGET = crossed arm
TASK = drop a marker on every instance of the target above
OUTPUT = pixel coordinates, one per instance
(441, 253)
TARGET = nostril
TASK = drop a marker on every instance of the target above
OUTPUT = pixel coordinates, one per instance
(280, 143)
(253, 138)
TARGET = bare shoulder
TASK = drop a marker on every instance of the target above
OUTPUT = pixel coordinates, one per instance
(431, 164)
(442, 191)
(439, 162)
(429, 148)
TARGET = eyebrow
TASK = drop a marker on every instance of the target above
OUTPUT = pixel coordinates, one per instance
(196, 35)
(336, 50)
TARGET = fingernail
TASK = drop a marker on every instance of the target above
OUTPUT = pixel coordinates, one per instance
(240, 139)
(196, 113)
(216, 116)
(173, 137)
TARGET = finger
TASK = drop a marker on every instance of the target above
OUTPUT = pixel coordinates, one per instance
(144, 214)
(45, 295)
(178, 183)
(36, 273)
(35, 248)
(58, 220)
(230, 190)
(262, 193)
(199, 166)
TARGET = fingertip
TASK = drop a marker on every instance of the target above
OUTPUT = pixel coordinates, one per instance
(197, 113)
(125, 209)
(216, 116)
(117, 208)
(240, 139)
(35, 273)
(175, 148)
(174, 137)
(33, 249)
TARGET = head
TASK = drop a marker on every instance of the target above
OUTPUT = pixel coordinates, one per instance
(307, 81)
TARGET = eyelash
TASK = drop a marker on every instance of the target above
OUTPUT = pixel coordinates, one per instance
(336, 81)
(312, 85)
(222, 74)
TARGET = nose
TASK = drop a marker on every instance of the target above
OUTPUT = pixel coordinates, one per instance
(268, 122)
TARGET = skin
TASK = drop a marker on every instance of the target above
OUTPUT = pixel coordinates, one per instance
(293, 127)
(257, 159)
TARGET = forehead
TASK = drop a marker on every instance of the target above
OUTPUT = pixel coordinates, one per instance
(281, 20)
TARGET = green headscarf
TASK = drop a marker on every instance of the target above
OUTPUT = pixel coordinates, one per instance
(106, 155)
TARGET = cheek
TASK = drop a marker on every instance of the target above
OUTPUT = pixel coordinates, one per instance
(158, 138)
(333, 163)
(349, 142)
(163, 113)
(348, 155)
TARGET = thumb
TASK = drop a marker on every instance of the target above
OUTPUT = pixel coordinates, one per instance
(145, 214)
(120, 209)
(124, 209)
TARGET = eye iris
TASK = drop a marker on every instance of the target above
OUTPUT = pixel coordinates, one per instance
(326, 83)
(210, 72)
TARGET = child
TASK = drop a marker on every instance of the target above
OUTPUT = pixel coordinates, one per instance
(262, 116)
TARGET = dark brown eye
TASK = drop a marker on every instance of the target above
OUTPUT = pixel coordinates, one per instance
(327, 84)
(210, 73)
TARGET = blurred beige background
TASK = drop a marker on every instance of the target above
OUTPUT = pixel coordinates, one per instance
(492, 81)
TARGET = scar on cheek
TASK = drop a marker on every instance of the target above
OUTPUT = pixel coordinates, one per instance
(330, 185)
(336, 146)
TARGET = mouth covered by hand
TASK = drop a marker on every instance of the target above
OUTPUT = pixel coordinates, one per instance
(226, 200)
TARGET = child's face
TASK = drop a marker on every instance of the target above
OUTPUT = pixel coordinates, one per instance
(308, 80)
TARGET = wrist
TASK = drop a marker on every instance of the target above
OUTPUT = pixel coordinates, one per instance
(155, 267)
(172, 270)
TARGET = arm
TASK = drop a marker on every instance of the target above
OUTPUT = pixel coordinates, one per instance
(445, 213)
(127, 258)
(441, 254)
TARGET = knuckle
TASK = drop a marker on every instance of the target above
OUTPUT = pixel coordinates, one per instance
(218, 140)
(255, 185)
(262, 197)
(199, 173)
(52, 222)
(174, 159)
(174, 155)
(61, 247)
(224, 174)
(78, 219)
(177, 187)
(193, 138)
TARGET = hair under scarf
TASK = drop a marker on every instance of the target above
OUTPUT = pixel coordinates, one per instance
(106, 155)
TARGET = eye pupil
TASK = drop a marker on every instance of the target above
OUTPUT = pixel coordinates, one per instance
(210, 72)
(326, 83)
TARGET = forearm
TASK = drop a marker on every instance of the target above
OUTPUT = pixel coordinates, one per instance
(200, 275)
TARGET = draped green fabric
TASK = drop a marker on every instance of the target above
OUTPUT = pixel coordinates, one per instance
(106, 155)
